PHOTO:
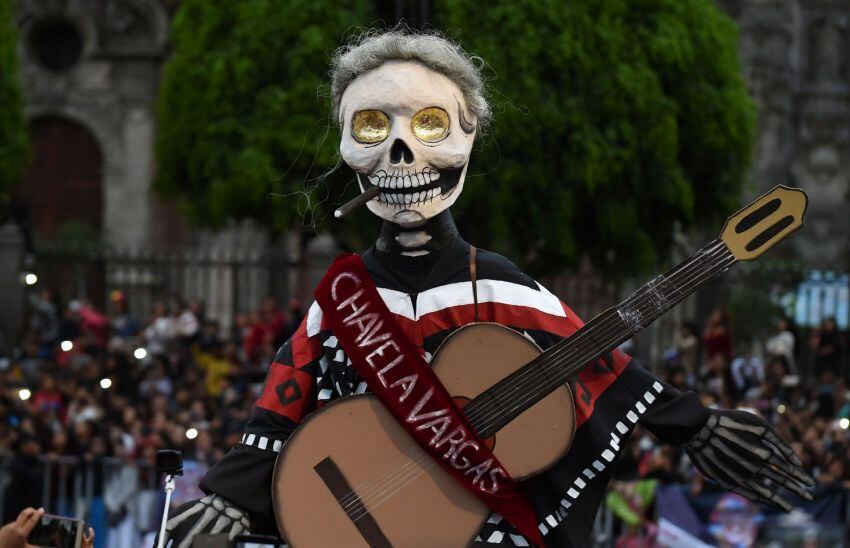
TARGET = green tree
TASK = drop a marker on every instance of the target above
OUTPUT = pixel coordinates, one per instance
(241, 108)
(616, 120)
(14, 140)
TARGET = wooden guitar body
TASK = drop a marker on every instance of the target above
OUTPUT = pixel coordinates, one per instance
(351, 476)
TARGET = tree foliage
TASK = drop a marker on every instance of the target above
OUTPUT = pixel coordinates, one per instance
(241, 111)
(617, 120)
(14, 140)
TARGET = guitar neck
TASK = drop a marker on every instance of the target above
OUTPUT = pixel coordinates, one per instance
(521, 390)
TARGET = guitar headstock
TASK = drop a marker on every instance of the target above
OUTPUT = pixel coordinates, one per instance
(765, 222)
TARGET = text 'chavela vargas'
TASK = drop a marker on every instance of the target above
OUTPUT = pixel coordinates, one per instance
(385, 354)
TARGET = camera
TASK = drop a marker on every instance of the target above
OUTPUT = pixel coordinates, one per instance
(169, 462)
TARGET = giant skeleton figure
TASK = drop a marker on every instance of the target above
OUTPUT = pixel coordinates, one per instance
(410, 106)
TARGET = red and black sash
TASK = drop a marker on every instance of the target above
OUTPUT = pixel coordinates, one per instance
(399, 376)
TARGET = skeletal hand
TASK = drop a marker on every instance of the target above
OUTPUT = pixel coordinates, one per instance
(744, 454)
(209, 515)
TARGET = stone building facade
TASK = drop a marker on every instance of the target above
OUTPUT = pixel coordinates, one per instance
(90, 70)
(796, 60)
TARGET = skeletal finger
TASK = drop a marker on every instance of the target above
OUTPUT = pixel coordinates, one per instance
(774, 438)
(792, 463)
(757, 449)
(789, 483)
(222, 522)
(713, 469)
(755, 497)
(768, 495)
(181, 517)
(729, 422)
(732, 455)
(199, 526)
(791, 471)
(237, 529)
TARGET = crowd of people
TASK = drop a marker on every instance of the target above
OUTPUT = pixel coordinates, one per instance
(95, 384)
(800, 385)
(98, 385)
(809, 403)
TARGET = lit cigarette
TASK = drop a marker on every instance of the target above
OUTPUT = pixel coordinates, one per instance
(357, 202)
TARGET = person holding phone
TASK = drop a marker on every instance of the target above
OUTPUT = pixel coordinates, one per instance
(16, 534)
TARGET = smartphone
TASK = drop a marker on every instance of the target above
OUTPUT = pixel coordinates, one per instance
(57, 532)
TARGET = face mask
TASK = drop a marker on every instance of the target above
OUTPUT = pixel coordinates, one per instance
(406, 129)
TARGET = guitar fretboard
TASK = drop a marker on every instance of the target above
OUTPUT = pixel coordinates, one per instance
(510, 397)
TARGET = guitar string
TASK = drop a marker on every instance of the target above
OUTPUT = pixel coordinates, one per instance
(412, 474)
(608, 332)
(603, 327)
(396, 485)
(560, 355)
(640, 301)
(391, 488)
(542, 384)
(560, 350)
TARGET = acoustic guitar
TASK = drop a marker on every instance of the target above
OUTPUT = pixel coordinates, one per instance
(351, 476)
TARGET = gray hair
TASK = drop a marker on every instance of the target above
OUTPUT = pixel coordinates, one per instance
(373, 48)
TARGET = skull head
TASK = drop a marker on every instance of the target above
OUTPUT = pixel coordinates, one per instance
(407, 130)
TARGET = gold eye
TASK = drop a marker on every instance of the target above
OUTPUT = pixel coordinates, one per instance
(430, 124)
(370, 126)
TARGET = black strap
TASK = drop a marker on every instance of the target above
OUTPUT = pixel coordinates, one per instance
(473, 273)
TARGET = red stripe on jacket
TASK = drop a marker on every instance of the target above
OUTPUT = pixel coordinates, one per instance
(590, 383)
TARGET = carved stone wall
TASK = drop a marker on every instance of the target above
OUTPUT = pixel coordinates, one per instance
(796, 60)
(97, 63)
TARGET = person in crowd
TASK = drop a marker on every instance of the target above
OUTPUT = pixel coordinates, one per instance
(747, 372)
(187, 324)
(717, 336)
(826, 344)
(687, 346)
(48, 399)
(156, 381)
(94, 325)
(716, 377)
(24, 474)
(161, 331)
(45, 319)
(31, 362)
(274, 321)
(124, 324)
(783, 343)
(776, 387)
(296, 315)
